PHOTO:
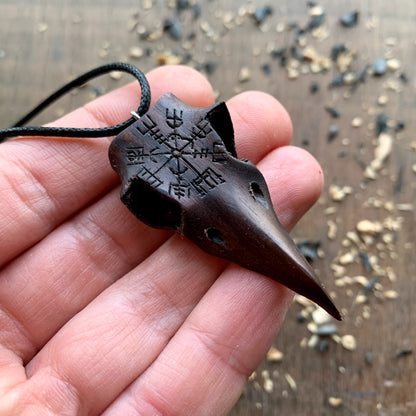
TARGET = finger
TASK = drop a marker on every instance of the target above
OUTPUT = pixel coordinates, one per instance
(204, 367)
(95, 248)
(253, 110)
(132, 321)
(44, 181)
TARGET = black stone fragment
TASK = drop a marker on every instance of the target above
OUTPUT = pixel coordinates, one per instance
(361, 163)
(267, 69)
(398, 186)
(292, 25)
(363, 75)
(381, 124)
(337, 50)
(301, 318)
(369, 358)
(337, 81)
(399, 126)
(277, 52)
(210, 67)
(404, 78)
(262, 13)
(315, 22)
(379, 67)
(97, 90)
(173, 27)
(182, 5)
(283, 60)
(323, 345)
(196, 11)
(299, 35)
(148, 51)
(333, 132)
(403, 353)
(309, 249)
(333, 112)
(370, 285)
(349, 19)
(297, 53)
(366, 261)
(186, 58)
(313, 87)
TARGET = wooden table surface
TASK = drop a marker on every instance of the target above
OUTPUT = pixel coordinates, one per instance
(44, 43)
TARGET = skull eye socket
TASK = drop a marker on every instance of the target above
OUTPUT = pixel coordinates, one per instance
(257, 193)
(215, 236)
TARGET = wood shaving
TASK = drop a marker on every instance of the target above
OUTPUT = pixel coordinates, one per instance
(369, 227)
(320, 316)
(357, 122)
(335, 401)
(116, 75)
(332, 230)
(268, 385)
(391, 294)
(136, 52)
(393, 64)
(382, 100)
(244, 75)
(349, 342)
(290, 380)
(337, 193)
(347, 258)
(42, 27)
(274, 355)
(382, 151)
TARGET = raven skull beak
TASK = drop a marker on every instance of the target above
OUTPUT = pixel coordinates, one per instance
(179, 170)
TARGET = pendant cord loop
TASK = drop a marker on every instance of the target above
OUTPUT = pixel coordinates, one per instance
(19, 130)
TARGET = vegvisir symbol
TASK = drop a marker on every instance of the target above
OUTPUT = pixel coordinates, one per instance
(168, 150)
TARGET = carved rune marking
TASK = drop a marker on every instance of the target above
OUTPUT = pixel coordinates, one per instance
(151, 128)
(206, 181)
(178, 150)
(135, 155)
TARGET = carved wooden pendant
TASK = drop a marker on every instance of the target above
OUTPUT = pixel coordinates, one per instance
(179, 170)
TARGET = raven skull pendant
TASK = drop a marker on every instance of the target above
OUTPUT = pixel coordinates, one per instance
(179, 170)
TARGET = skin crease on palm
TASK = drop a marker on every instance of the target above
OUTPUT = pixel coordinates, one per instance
(102, 315)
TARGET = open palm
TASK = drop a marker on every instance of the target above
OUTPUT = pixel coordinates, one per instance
(100, 314)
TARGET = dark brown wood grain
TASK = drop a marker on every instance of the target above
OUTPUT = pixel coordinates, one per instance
(44, 43)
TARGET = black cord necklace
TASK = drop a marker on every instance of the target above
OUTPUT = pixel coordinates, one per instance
(179, 170)
(19, 130)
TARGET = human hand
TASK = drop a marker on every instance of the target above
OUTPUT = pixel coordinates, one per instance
(100, 314)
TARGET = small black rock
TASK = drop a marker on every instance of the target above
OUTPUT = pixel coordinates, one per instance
(315, 22)
(369, 358)
(267, 69)
(337, 81)
(262, 13)
(333, 132)
(334, 113)
(379, 66)
(210, 67)
(309, 249)
(337, 50)
(313, 87)
(381, 124)
(174, 28)
(323, 345)
(349, 19)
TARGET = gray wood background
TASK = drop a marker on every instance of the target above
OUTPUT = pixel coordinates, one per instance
(44, 43)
